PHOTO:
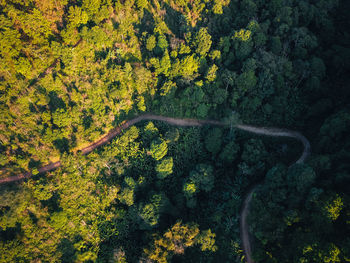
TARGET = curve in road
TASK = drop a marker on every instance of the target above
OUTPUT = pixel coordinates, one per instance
(274, 132)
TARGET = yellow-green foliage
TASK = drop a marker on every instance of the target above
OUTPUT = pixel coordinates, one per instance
(165, 167)
(243, 34)
(177, 239)
(334, 208)
(253, 26)
(159, 149)
(189, 188)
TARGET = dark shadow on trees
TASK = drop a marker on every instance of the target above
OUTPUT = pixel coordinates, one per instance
(62, 145)
(175, 21)
(68, 251)
(147, 23)
(55, 102)
(33, 163)
(52, 203)
(11, 232)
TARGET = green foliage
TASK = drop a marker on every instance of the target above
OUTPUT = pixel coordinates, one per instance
(159, 149)
(207, 241)
(150, 212)
(150, 130)
(243, 34)
(189, 66)
(141, 4)
(229, 152)
(211, 75)
(165, 168)
(177, 239)
(213, 140)
(201, 178)
(189, 188)
(202, 110)
(76, 16)
(126, 195)
(202, 41)
(151, 43)
(246, 81)
(165, 64)
(172, 135)
(294, 185)
(276, 45)
(73, 71)
(334, 208)
(162, 42)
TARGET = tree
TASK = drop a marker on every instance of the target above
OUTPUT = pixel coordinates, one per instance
(150, 131)
(203, 177)
(202, 110)
(229, 152)
(150, 212)
(246, 81)
(76, 16)
(334, 208)
(218, 5)
(91, 7)
(162, 42)
(159, 149)
(151, 43)
(276, 45)
(126, 195)
(177, 239)
(317, 67)
(189, 66)
(172, 135)
(211, 75)
(167, 88)
(206, 239)
(213, 140)
(165, 167)
(141, 4)
(202, 41)
(165, 64)
(73, 72)
(243, 35)
(24, 67)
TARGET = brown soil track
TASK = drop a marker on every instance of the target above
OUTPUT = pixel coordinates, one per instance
(244, 228)
(114, 132)
(274, 132)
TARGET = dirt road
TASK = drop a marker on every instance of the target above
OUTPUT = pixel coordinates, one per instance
(114, 132)
(274, 132)
(245, 228)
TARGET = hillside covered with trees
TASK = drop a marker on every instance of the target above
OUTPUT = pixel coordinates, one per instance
(72, 71)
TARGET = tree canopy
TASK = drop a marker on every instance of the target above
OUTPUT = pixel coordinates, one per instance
(73, 72)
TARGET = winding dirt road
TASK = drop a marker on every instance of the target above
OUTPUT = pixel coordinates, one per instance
(245, 228)
(274, 132)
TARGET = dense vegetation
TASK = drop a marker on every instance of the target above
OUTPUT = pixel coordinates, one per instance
(72, 70)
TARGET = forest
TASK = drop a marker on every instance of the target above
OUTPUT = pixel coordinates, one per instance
(193, 96)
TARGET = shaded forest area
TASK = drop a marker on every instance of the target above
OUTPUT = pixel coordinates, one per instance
(70, 71)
